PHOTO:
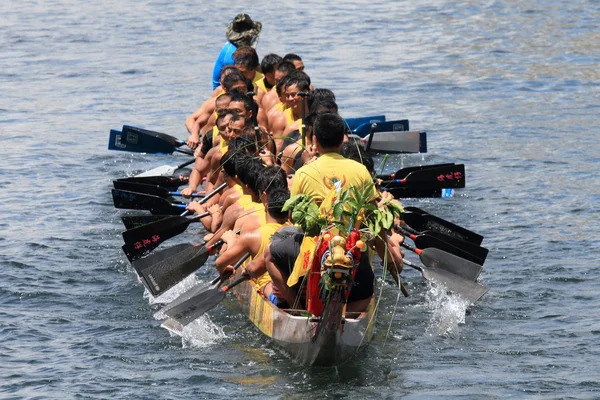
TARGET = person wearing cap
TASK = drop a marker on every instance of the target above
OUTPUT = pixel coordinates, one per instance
(242, 31)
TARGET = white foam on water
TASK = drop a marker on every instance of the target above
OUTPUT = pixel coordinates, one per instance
(174, 292)
(448, 311)
(201, 333)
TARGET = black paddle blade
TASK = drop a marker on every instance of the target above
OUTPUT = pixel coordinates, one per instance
(436, 258)
(426, 241)
(452, 176)
(162, 276)
(154, 190)
(159, 231)
(139, 201)
(134, 221)
(138, 142)
(477, 251)
(168, 182)
(189, 310)
(423, 222)
(402, 173)
(143, 263)
(406, 192)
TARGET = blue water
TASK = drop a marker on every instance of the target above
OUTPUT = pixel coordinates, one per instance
(511, 89)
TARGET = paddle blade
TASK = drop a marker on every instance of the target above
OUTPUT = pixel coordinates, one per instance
(143, 263)
(469, 290)
(452, 176)
(157, 232)
(140, 201)
(134, 221)
(168, 182)
(137, 142)
(478, 251)
(172, 140)
(404, 192)
(423, 222)
(162, 276)
(436, 258)
(189, 310)
(399, 142)
(154, 190)
(426, 242)
(401, 173)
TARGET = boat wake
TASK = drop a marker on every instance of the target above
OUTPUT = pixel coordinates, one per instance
(448, 311)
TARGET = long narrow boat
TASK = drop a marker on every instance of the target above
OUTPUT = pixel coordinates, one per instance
(331, 339)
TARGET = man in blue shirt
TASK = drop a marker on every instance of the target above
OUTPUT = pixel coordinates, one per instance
(242, 31)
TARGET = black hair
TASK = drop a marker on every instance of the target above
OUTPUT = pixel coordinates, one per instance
(244, 144)
(329, 129)
(249, 172)
(246, 56)
(320, 106)
(228, 161)
(237, 96)
(226, 70)
(319, 94)
(300, 79)
(291, 57)
(356, 150)
(271, 178)
(285, 66)
(232, 78)
(269, 62)
(276, 201)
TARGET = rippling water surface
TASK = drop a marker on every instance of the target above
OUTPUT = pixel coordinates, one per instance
(510, 88)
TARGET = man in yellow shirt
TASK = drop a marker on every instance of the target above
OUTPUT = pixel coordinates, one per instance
(316, 179)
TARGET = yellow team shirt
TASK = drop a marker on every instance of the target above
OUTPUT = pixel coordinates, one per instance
(320, 176)
(257, 77)
(266, 231)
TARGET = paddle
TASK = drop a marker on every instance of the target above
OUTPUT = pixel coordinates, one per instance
(168, 182)
(437, 258)
(191, 308)
(469, 290)
(423, 222)
(133, 221)
(147, 240)
(416, 192)
(160, 277)
(154, 190)
(199, 289)
(423, 241)
(139, 201)
(451, 176)
(165, 170)
(472, 248)
(159, 256)
(401, 173)
(142, 141)
(143, 239)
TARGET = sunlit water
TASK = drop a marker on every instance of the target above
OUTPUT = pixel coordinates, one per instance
(511, 89)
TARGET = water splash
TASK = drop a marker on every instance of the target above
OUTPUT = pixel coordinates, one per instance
(172, 293)
(201, 333)
(448, 311)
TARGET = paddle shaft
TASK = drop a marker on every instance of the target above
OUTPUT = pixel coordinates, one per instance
(207, 197)
(371, 134)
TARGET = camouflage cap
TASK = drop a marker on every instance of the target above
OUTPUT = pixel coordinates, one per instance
(242, 28)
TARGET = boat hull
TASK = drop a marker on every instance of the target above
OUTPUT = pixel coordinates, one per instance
(297, 334)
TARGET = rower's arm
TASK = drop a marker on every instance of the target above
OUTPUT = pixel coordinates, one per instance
(235, 251)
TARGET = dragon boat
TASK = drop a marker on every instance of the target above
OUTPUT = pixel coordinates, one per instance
(331, 337)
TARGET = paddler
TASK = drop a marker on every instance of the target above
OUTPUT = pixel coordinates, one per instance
(268, 66)
(242, 31)
(291, 118)
(245, 60)
(272, 98)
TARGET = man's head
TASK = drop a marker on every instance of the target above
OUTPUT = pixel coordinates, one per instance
(295, 82)
(275, 202)
(234, 80)
(241, 104)
(246, 60)
(328, 131)
(271, 178)
(248, 173)
(296, 60)
(283, 68)
(222, 123)
(268, 66)
(221, 103)
(236, 126)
